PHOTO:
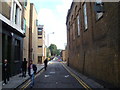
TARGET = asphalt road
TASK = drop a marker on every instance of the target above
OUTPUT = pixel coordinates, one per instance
(56, 76)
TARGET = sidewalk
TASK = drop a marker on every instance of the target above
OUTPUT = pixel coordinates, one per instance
(15, 81)
(87, 80)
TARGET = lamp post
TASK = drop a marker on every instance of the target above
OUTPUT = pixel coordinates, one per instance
(48, 38)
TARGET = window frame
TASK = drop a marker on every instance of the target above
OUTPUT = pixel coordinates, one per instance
(25, 3)
(85, 16)
(24, 25)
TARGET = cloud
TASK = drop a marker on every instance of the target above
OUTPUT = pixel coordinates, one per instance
(54, 21)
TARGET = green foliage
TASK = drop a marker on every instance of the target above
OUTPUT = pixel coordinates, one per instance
(53, 49)
(58, 52)
(48, 52)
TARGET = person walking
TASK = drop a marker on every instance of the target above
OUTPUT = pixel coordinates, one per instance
(45, 63)
(5, 67)
(24, 67)
(32, 69)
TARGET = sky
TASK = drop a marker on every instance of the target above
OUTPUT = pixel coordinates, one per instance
(52, 14)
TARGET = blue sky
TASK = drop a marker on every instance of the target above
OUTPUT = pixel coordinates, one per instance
(52, 14)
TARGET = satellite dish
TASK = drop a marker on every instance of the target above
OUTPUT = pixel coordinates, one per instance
(98, 7)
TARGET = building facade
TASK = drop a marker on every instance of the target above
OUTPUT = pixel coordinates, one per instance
(93, 40)
(33, 34)
(12, 34)
(25, 27)
(63, 55)
(41, 44)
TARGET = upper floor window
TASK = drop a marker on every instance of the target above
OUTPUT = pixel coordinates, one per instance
(73, 31)
(16, 13)
(78, 25)
(25, 3)
(39, 32)
(39, 37)
(24, 24)
(36, 22)
(85, 16)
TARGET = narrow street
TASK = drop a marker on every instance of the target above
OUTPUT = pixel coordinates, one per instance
(56, 76)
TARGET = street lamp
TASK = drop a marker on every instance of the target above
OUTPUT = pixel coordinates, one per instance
(48, 38)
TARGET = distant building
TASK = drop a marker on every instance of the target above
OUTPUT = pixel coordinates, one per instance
(33, 34)
(12, 34)
(63, 55)
(93, 36)
(41, 44)
(66, 55)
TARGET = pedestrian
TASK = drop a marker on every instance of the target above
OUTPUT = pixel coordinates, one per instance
(24, 67)
(5, 67)
(31, 71)
(45, 63)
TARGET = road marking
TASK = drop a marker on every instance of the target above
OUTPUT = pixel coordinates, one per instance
(66, 76)
(78, 79)
(28, 82)
(52, 72)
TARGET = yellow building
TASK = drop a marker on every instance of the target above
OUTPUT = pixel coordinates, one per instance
(26, 21)
(41, 44)
(33, 34)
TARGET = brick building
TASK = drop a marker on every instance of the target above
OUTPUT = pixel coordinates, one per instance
(93, 40)
(63, 52)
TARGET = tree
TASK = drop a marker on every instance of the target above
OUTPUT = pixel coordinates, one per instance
(53, 49)
(58, 52)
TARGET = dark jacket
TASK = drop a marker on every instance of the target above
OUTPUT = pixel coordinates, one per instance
(46, 61)
(34, 69)
(5, 68)
(24, 65)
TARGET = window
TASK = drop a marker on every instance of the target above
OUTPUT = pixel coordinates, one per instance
(39, 46)
(99, 9)
(24, 24)
(25, 3)
(78, 25)
(85, 16)
(16, 16)
(36, 22)
(73, 31)
(16, 13)
(39, 37)
(39, 32)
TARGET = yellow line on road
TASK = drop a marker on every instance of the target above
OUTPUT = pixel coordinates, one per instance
(28, 82)
(78, 79)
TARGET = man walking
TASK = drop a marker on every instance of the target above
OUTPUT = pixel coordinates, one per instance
(31, 71)
(24, 67)
(5, 68)
(45, 63)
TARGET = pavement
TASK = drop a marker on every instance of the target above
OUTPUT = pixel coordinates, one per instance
(16, 80)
